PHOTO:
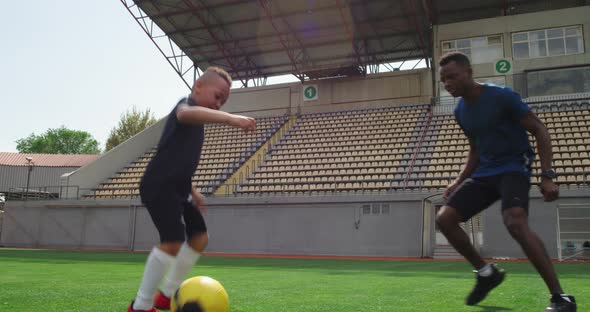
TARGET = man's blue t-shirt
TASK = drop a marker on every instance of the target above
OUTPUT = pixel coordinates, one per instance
(493, 124)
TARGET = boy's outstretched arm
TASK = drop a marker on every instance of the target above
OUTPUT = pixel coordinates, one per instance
(202, 115)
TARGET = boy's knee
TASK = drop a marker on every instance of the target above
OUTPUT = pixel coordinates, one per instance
(199, 241)
(170, 248)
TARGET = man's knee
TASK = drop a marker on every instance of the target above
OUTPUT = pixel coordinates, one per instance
(516, 221)
(447, 217)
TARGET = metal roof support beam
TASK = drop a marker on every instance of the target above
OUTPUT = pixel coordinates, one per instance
(264, 4)
(350, 34)
(388, 66)
(305, 59)
(307, 46)
(228, 58)
(241, 2)
(257, 81)
(419, 61)
(347, 56)
(372, 63)
(258, 44)
(374, 67)
(180, 62)
(376, 62)
(332, 65)
(430, 11)
(418, 28)
(493, 6)
(431, 6)
(504, 7)
(190, 10)
(406, 58)
(177, 60)
(360, 22)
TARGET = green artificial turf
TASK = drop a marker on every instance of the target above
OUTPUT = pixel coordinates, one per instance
(46, 280)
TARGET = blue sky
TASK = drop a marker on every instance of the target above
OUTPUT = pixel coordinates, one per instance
(78, 64)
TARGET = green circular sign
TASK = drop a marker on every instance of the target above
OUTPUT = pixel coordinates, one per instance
(310, 92)
(503, 66)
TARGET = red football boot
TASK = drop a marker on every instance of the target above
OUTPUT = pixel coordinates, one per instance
(161, 301)
(130, 309)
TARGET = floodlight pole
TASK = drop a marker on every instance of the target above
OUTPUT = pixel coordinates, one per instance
(30, 165)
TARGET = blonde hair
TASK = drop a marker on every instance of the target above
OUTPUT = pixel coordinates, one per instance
(219, 72)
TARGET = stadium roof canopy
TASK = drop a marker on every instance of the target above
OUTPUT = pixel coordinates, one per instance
(255, 39)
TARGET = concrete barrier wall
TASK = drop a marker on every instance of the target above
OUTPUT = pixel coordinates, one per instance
(313, 225)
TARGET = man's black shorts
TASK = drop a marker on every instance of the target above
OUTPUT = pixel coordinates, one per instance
(476, 194)
(168, 209)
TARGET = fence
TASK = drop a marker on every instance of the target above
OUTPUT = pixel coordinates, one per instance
(573, 230)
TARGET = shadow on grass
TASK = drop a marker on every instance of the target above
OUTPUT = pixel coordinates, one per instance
(61, 256)
(48, 255)
(327, 266)
(320, 266)
(492, 308)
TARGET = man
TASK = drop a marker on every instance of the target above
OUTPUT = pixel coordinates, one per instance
(496, 121)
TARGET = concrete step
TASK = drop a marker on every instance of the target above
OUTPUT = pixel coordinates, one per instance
(446, 252)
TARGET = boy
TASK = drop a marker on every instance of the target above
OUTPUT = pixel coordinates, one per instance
(166, 186)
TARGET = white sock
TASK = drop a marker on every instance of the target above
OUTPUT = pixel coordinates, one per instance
(185, 260)
(156, 265)
(485, 271)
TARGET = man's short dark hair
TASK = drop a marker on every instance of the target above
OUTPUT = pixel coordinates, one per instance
(457, 57)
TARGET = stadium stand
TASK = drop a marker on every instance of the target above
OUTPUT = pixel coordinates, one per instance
(445, 147)
(569, 128)
(224, 150)
(347, 151)
(362, 151)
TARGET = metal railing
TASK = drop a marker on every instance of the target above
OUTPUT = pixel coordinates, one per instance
(362, 187)
(273, 140)
(446, 104)
(573, 231)
(278, 189)
(42, 192)
(235, 189)
(418, 147)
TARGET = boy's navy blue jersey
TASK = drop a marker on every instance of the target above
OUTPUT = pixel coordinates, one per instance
(177, 157)
(493, 124)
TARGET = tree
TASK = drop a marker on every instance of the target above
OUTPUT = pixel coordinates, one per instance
(130, 124)
(59, 141)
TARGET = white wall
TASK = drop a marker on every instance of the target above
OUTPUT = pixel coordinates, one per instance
(41, 177)
(275, 99)
(108, 164)
(318, 225)
(404, 87)
(296, 225)
(506, 25)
